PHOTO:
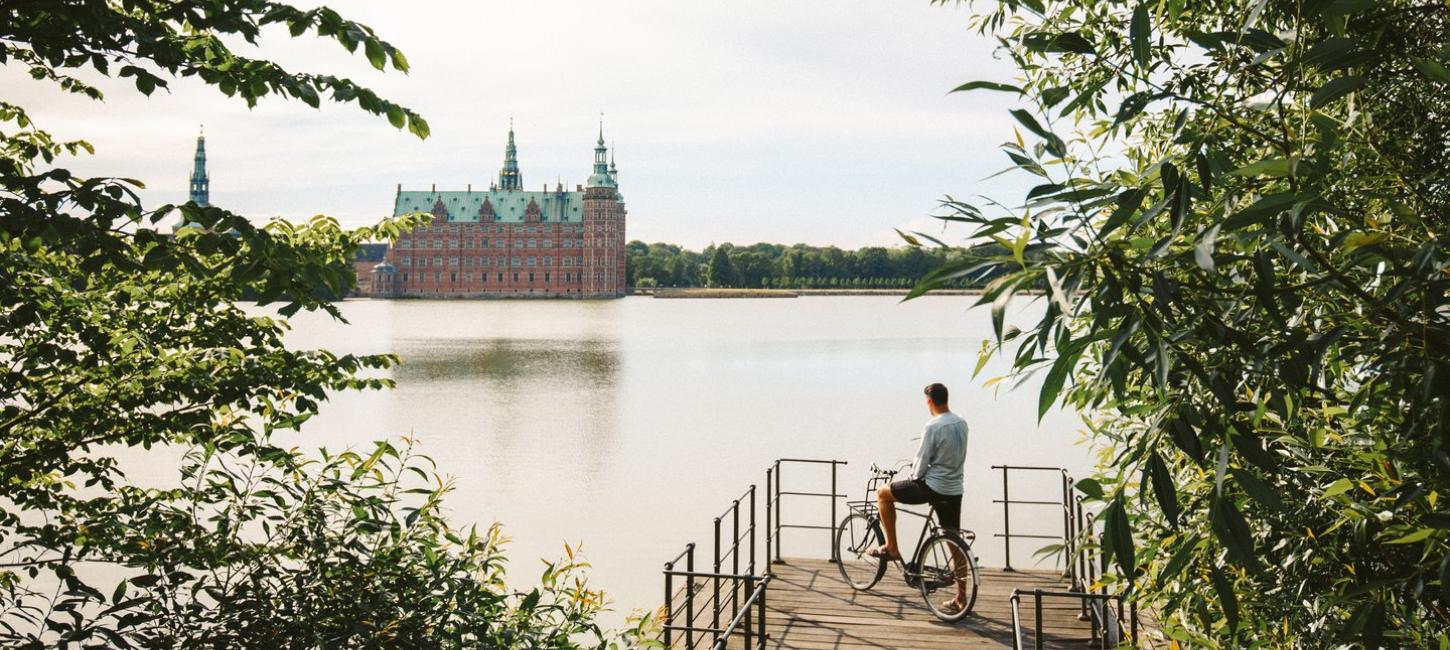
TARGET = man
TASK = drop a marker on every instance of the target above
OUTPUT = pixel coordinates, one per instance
(936, 478)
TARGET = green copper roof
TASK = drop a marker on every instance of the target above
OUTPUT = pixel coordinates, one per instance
(509, 206)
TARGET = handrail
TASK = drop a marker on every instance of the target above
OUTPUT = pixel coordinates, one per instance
(757, 598)
(774, 504)
(731, 586)
(1084, 561)
(1039, 594)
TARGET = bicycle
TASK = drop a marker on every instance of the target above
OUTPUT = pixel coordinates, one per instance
(943, 557)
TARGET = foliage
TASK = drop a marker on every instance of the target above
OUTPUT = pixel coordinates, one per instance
(1241, 218)
(124, 347)
(797, 266)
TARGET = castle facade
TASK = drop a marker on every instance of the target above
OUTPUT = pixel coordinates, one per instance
(508, 242)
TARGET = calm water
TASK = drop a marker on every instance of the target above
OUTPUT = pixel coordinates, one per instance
(629, 424)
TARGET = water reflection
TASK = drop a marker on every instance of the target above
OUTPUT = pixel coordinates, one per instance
(508, 363)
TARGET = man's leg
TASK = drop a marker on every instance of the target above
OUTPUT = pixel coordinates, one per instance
(886, 505)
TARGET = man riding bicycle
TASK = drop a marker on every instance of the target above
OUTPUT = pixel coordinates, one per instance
(936, 478)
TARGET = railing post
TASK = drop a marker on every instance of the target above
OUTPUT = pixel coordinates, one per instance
(1037, 623)
(831, 525)
(690, 595)
(749, 629)
(715, 581)
(752, 528)
(1006, 521)
(1066, 527)
(669, 602)
(760, 620)
(779, 509)
(734, 558)
(769, 496)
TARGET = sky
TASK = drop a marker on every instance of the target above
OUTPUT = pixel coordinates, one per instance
(809, 121)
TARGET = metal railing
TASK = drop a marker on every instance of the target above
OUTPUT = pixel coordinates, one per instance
(1084, 562)
(1104, 618)
(729, 599)
(1063, 503)
(774, 506)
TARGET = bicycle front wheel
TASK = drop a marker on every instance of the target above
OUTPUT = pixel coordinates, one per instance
(856, 535)
(948, 579)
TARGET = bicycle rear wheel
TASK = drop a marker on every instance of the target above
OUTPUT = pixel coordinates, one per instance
(947, 569)
(856, 535)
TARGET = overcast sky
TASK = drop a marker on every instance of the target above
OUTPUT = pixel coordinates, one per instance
(825, 122)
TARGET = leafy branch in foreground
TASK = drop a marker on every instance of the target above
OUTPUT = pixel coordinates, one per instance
(1240, 225)
(124, 347)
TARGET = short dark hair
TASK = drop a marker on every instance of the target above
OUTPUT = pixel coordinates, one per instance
(937, 393)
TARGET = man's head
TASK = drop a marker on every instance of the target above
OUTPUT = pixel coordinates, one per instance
(936, 398)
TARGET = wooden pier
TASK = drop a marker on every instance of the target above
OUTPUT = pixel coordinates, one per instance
(714, 594)
(811, 608)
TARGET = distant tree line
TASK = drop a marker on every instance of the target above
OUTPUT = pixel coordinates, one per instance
(796, 266)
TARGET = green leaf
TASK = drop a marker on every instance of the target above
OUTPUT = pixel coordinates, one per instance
(1227, 599)
(1118, 535)
(1421, 534)
(1052, 386)
(1163, 488)
(1335, 89)
(1276, 167)
(1337, 488)
(1090, 487)
(1257, 489)
(1432, 69)
(987, 85)
(376, 56)
(1233, 532)
(1260, 210)
(1139, 34)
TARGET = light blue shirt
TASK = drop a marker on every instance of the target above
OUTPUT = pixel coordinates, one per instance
(942, 452)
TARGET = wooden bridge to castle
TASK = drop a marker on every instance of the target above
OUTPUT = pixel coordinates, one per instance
(730, 593)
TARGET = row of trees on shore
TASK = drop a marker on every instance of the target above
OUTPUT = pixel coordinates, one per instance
(797, 266)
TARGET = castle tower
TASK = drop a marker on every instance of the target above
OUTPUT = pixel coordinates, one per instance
(200, 181)
(510, 178)
(603, 228)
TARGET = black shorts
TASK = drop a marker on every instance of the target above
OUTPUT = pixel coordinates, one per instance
(915, 491)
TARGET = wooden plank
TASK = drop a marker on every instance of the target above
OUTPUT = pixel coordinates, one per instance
(810, 607)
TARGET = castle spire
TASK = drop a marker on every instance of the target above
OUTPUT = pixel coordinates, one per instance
(510, 178)
(200, 181)
(601, 156)
(613, 170)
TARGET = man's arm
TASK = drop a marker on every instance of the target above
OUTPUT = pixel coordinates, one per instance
(923, 453)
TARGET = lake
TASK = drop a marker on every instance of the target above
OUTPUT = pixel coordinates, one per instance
(629, 424)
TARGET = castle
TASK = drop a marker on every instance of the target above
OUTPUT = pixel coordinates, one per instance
(508, 242)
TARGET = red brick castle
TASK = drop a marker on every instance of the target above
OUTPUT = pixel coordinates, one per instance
(507, 242)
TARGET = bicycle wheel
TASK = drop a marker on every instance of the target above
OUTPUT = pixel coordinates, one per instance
(946, 564)
(856, 535)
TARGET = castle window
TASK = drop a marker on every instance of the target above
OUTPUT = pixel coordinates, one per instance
(423, 262)
(531, 277)
(515, 263)
(532, 261)
(405, 277)
(548, 243)
(453, 277)
(516, 277)
(483, 243)
(407, 261)
(437, 243)
(437, 261)
(532, 243)
(500, 277)
(452, 261)
(546, 277)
